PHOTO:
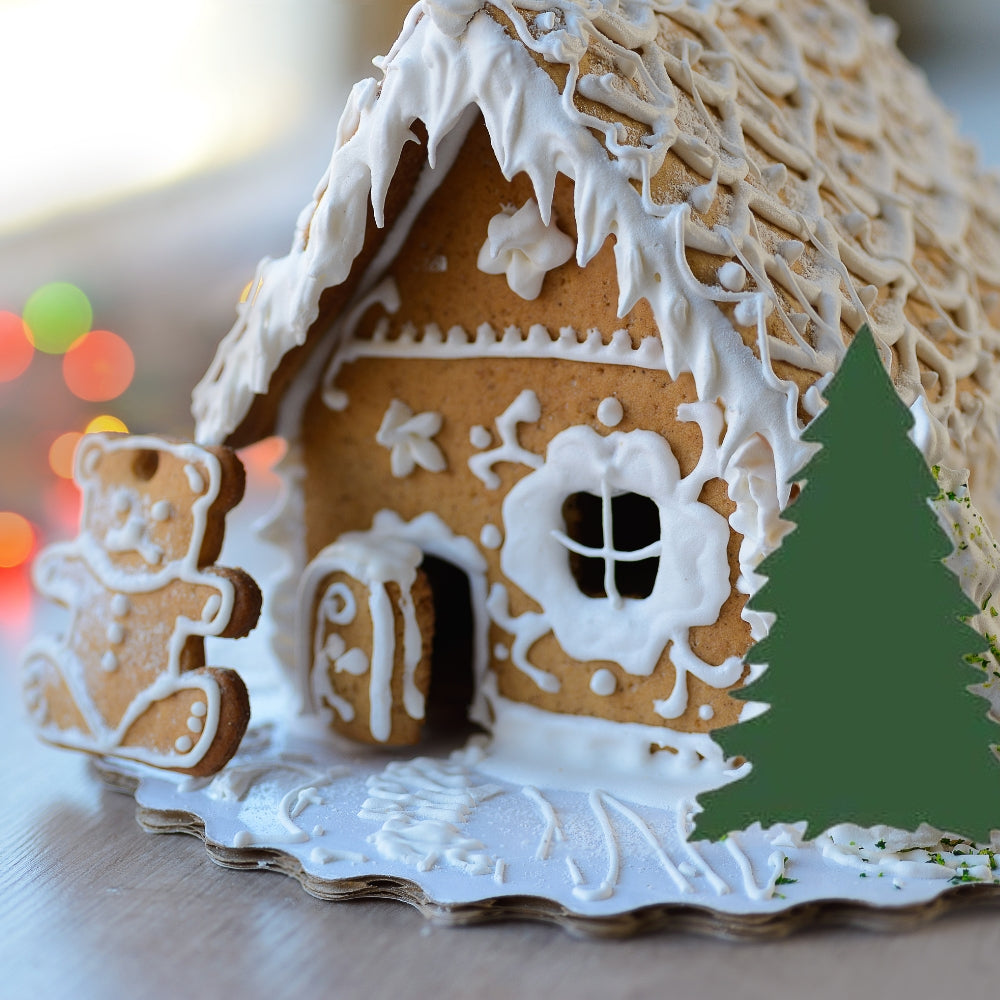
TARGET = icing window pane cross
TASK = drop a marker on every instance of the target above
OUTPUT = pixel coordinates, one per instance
(614, 543)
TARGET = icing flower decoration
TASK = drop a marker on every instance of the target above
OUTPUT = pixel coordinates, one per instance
(520, 245)
(409, 438)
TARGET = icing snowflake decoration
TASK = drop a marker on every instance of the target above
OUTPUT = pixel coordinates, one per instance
(409, 439)
(521, 246)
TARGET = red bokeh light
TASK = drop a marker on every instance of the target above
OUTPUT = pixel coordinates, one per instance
(15, 604)
(16, 350)
(17, 539)
(99, 366)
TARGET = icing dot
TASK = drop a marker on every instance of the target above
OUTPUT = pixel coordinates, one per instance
(500, 651)
(438, 264)
(115, 633)
(706, 712)
(120, 606)
(122, 503)
(490, 537)
(732, 277)
(199, 708)
(354, 662)
(161, 510)
(750, 310)
(109, 662)
(480, 437)
(855, 223)
(243, 839)
(318, 831)
(610, 412)
(183, 744)
(775, 176)
(603, 682)
(334, 646)
(791, 250)
(195, 725)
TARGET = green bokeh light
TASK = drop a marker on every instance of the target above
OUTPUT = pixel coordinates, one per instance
(57, 314)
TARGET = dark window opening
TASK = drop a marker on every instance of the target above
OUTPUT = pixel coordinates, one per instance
(582, 514)
(451, 684)
(635, 525)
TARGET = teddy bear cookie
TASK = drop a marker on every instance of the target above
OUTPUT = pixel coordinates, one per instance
(128, 678)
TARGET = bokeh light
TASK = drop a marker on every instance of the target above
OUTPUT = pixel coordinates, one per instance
(17, 539)
(62, 452)
(61, 503)
(99, 366)
(262, 456)
(16, 600)
(106, 422)
(57, 315)
(16, 350)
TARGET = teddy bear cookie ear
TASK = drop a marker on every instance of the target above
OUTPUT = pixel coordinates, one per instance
(88, 456)
(230, 490)
(128, 678)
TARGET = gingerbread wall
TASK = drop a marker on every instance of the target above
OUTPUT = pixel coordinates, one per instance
(350, 477)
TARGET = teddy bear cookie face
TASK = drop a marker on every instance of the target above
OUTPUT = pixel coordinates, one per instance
(149, 509)
(128, 677)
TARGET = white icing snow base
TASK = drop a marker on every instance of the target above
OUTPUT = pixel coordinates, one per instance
(465, 837)
(449, 833)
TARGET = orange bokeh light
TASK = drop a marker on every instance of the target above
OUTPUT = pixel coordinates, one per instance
(263, 455)
(16, 350)
(61, 454)
(99, 366)
(17, 539)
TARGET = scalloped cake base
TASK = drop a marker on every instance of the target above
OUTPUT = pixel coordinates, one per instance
(464, 847)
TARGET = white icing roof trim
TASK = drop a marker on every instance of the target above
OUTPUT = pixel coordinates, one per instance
(770, 89)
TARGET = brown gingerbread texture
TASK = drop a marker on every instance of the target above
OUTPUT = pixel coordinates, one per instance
(128, 678)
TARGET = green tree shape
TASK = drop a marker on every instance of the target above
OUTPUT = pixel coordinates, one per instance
(869, 719)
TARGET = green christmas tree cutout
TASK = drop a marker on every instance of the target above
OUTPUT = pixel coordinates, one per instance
(870, 719)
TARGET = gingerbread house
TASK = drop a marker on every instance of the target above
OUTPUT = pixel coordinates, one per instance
(546, 340)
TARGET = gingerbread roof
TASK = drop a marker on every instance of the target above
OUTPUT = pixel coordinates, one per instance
(773, 174)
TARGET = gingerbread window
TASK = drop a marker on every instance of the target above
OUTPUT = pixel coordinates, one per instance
(613, 543)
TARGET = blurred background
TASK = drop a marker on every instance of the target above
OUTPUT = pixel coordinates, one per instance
(151, 154)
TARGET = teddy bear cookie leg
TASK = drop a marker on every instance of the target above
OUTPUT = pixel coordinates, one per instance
(128, 678)
(194, 728)
(52, 705)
